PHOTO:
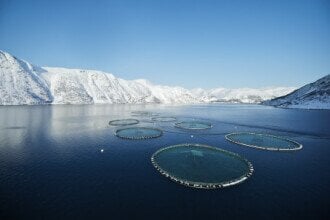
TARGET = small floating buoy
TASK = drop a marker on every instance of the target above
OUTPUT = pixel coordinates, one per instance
(102, 150)
(191, 136)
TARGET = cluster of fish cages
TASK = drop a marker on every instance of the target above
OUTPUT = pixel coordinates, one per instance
(196, 165)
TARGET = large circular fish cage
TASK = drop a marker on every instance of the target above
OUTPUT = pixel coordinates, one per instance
(263, 141)
(138, 133)
(163, 119)
(201, 166)
(193, 125)
(123, 122)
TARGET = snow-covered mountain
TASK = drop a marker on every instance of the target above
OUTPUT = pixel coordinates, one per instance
(23, 83)
(20, 83)
(75, 86)
(315, 95)
(242, 95)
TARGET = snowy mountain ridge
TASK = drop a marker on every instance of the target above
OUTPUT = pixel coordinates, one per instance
(24, 84)
(241, 95)
(315, 95)
(20, 83)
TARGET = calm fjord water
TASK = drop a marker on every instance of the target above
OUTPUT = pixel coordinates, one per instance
(52, 167)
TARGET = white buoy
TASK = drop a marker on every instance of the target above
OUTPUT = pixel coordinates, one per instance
(191, 136)
(102, 150)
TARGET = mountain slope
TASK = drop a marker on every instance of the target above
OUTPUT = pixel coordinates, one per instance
(243, 95)
(315, 95)
(20, 83)
(23, 83)
(75, 86)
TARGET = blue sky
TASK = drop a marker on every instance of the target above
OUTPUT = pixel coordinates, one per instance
(188, 43)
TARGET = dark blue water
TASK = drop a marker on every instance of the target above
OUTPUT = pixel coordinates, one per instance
(52, 167)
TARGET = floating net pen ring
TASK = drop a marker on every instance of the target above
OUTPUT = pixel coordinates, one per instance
(163, 119)
(193, 125)
(196, 160)
(123, 122)
(257, 140)
(138, 133)
(144, 113)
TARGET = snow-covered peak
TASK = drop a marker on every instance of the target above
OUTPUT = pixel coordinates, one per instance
(62, 70)
(20, 82)
(5, 56)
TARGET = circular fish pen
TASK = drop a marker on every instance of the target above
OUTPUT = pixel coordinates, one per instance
(138, 133)
(201, 166)
(163, 119)
(144, 114)
(263, 141)
(123, 122)
(193, 125)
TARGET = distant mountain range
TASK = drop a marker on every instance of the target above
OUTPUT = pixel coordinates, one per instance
(315, 95)
(22, 83)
